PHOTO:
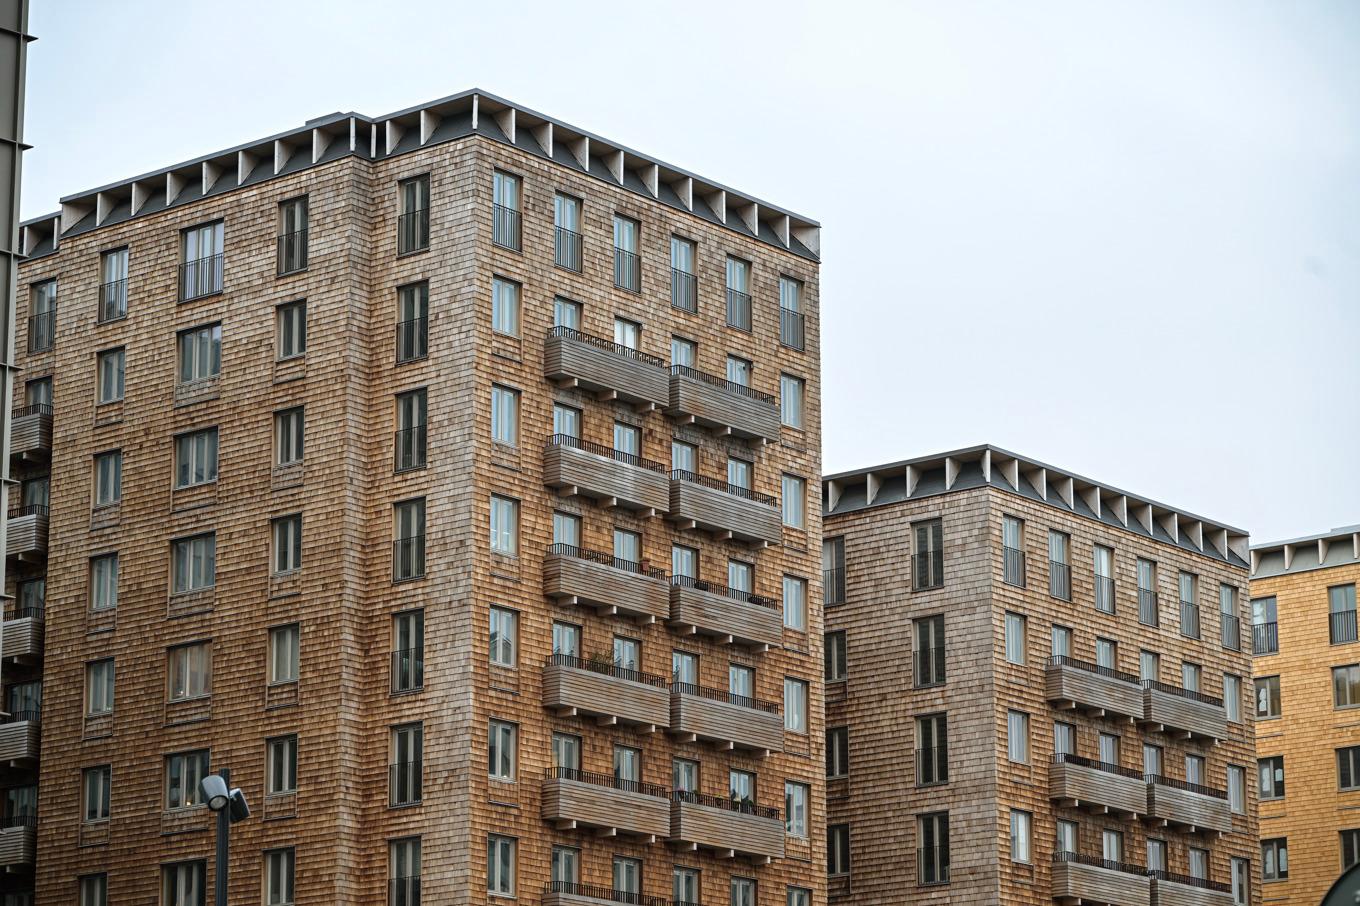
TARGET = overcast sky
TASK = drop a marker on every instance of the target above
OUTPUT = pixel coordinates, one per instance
(1122, 238)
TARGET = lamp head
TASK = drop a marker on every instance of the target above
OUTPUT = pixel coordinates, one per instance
(238, 810)
(215, 792)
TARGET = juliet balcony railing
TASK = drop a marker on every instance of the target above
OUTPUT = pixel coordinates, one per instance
(567, 248)
(413, 231)
(1342, 626)
(200, 277)
(1147, 607)
(408, 557)
(1104, 588)
(684, 290)
(412, 339)
(42, 330)
(1060, 580)
(112, 300)
(1013, 566)
(404, 782)
(627, 270)
(292, 252)
(409, 448)
(833, 585)
(928, 666)
(1189, 619)
(1265, 638)
(738, 309)
(408, 669)
(505, 227)
(791, 328)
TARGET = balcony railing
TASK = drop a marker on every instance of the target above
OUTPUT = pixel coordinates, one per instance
(200, 277)
(292, 253)
(932, 765)
(1183, 693)
(730, 698)
(608, 894)
(408, 557)
(403, 892)
(32, 409)
(1230, 630)
(410, 448)
(413, 231)
(412, 339)
(505, 227)
(1060, 580)
(567, 248)
(408, 669)
(1189, 880)
(725, 487)
(1100, 862)
(1093, 764)
(404, 782)
(1147, 607)
(22, 716)
(627, 352)
(630, 459)
(1013, 560)
(42, 330)
(833, 585)
(1265, 638)
(738, 309)
(1343, 626)
(1105, 594)
(1063, 660)
(928, 566)
(684, 290)
(627, 270)
(1189, 620)
(791, 328)
(608, 780)
(607, 668)
(25, 612)
(713, 588)
(31, 509)
(570, 550)
(727, 803)
(1187, 786)
(112, 300)
(929, 666)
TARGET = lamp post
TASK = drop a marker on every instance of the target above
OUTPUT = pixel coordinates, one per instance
(230, 805)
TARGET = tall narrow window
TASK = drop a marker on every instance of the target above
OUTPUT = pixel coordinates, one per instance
(200, 269)
(795, 603)
(287, 544)
(291, 325)
(929, 653)
(288, 436)
(1241, 882)
(42, 316)
(795, 705)
(833, 570)
(1147, 592)
(99, 676)
(1270, 776)
(928, 556)
(1232, 697)
(838, 850)
(793, 500)
(627, 266)
(797, 799)
(505, 306)
(504, 525)
(413, 322)
(104, 582)
(184, 771)
(932, 749)
(1017, 737)
(413, 217)
(108, 478)
(1107, 653)
(1015, 638)
(1059, 565)
(94, 890)
(500, 865)
(1275, 859)
(1230, 624)
(292, 235)
(182, 884)
(189, 669)
(504, 415)
(1346, 686)
(1104, 578)
(791, 401)
(739, 370)
(684, 285)
(501, 750)
(411, 430)
(932, 853)
(113, 269)
(566, 314)
(1013, 551)
(503, 636)
(834, 657)
(406, 781)
(791, 312)
(566, 421)
(1237, 789)
(505, 219)
(1341, 604)
(95, 794)
(110, 367)
(738, 293)
(627, 333)
(196, 458)
(194, 563)
(280, 765)
(567, 231)
(1021, 825)
(408, 651)
(1264, 637)
(403, 872)
(1188, 584)
(408, 545)
(1267, 696)
(278, 877)
(837, 752)
(684, 352)
(283, 654)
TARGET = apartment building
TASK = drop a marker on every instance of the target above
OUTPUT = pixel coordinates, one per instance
(447, 476)
(1034, 689)
(1307, 667)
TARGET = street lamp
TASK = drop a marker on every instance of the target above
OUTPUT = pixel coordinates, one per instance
(230, 805)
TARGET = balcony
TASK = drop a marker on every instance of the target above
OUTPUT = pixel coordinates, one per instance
(1265, 638)
(1090, 687)
(505, 226)
(791, 328)
(23, 636)
(27, 528)
(31, 432)
(1091, 879)
(609, 369)
(610, 585)
(1188, 805)
(18, 841)
(578, 467)
(1083, 782)
(732, 721)
(722, 405)
(1342, 627)
(728, 827)
(729, 511)
(200, 277)
(569, 893)
(1171, 709)
(1181, 890)
(567, 248)
(19, 738)
(292, 252)
(573, 799)
(598, 688)
(734, 616)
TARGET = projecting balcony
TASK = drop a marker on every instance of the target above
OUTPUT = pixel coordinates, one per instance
(734, 616)
(1171, 709)
(573, 799)
(19, 739)
(595, 579)
(724, 406)
(1085, 783)
(727, 510)
(569, 893)
(613, 371)
(1188, 805)
(598, 688)
(731, 721)
(27, 541)
(18, 841)
(1090, 687)
(726, 826)
(1091, 879)
(1181, 890)
(579, 467)
(22, 641)
(31, 432)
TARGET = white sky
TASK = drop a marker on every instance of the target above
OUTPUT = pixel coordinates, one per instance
(1119, 237)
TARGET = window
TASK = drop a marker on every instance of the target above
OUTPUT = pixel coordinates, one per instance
(741, 680)
(408, 547)
(408, 746)
(566, 313)
(791, 312)
(743, 892)
(410, 438)
(1149, 665)
(1064, 738)
(1271, 777)
(797, 896)
(1107, 748)
(196, 458)
(739, 473)
(795, 603)
(182, 884)
(38, 392)
(834, 654)
(200, 261)
(1147, 592)
(627, 653)
(833, 570)
(408, 651)
(928, 557)
(685, 775)
(837, 751)
(110, 368)
(113, 269)
(404, 872)
(184, 771)
(1241, 882)
(838, 849)
(1341, 604)
(1348, 768)
(739, 370)
(95, 793)
(1346, 686)
(1274, 859)
(566, 866)
(505, 227)
(1107, 653)
(283, 654)
(566, 421)
(738, 293)
(1350, 848)
(1066, 837)
(627, 764)
(1015, 638)
(500, 865)
(627, 439)
(504, 306)
(278, 877)
(1189, 593)
(1112, 845)
(501, 750)
(1191, 676)
(684, 285)
(504, 636)
(195, 563)
(413, 322)
(99, 687)
(190, 671)
(627, 877)
(684, 352)
(108, 478)
(1199, 863)
(1264, 638)
(504, 525)
(1237, 789)
(1156, 854)
(567, 231)
(1059, 566)
(1229, 624)
(1268, 696)
(1194, 769)
(627, 268)
(1021, 824)
(1013, 551)
(287, 544)
(797, 797)
(795, 705)
(104, 582)
(627, 334)
(932, 749)
(793, 496)
(292, 244)
(1060, 642)
(929, 652)
(932, 842)
(1104, 579)
(290, 321)
(1017, 737)
(504, 415)
(42, 320)
(413, 217)
(94, 890)
(288, 436)
(566, 639)
(791, 391)
(281, 765)
(1232, 697)
(684, 668)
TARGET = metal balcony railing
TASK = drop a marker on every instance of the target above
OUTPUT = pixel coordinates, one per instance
(731, 698)
(112, 300)
(608, 894)
(1183, 693)
(607, 668)
(722, 383)
(833, 585)
(1187, 786)
(1230, 631)
(608, 780)
(42, 330)
(410, 448)
(630, 459)
(1060, 580)
(580, 553)
(505, 229)
(928, 569)
(1013, 562)
(727, 803)
(627, 270)
(1063, 660)
(791, 328)
(413, 231)
(713, 588)
(1342, 625)
(929, 666)
(408, 669)
(1104, 594)
(738, 309)
(1189, 620)
(607, 345)
(200, 277)
(725, 487)
(292, 252)
(408, 557)
(32, 409)
(932, 865)
(32, 716)
(403, 892)
(26, 612)
(412, 339)
(31, 509)
(567, 248)
(684, 290)
(1147, 607)
(1099, 862)
(1107, 767)
(1265, 638)
(1189, 880)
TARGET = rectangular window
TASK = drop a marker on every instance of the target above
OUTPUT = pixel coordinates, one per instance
(566, 314)
(833, 571)
(1021, 824)
(1107, 653)
(38, 392)
(281, 765)
(95, 793)
(1241, 882)
(1237, 789)
(290, 321)
(738, 293)
(500, 865)
(932, 848)
(1268, 696)
(627, 878)
(1147, 592)
(791, 401)
(411, 430)
(505, 225)
(567, 231)
(684, 352)
(1341, 605)
(791, 312)
(413, 214)
(501, 750)
(627, 333)
(1348, 768)
(278, 877)
(1066, 838)
(1015, 638)
(627, 266)
(504, 525)
(413, 322)
(196, 458)
(795, 705)
(566, 751)
(739, 370)
(1232, 697)
(283, 654)
(1149, 665)
(1229, 623)
(1156, 854)
(504, 415)
(1191, 676)
(113, 269)
(1059, 565)
(505, 306)
(194, 563)
(94, 890)
(627, 764)
(837, 752)
(1264, 637)
(1107, 748)
(566, 639)
(739, 472)
(108, 478)
(42, 316)
(408, 751)
(797, 800)
(292, 238)
(929, 653)
(190, 671)
(1104, 579)
(928, 557)
(182, 884)
(104, 582)
(184, 771)
(111, 364)
(288, 436)
(504, 636)
(795, 603)
(797, 896)
(743, 892)
(1188, 584)
(684, 285)
(1350, 848)
(404, 872)
(287, 544)
(834, 656)
(566, 421)
(408, 651)
(1064, 738)
(1270, 773)
(932, 749)
(1275, 859)
(1017, 737)
(838, 849)
(408, 545)
(99, 687)
(200, 269)
(627, 439)
(793, 497)
(1013, 551)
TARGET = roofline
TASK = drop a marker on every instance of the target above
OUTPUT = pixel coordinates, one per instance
(1344, 531)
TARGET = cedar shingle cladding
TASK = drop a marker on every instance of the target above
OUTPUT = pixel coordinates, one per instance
(880, 800)
(343, 597)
